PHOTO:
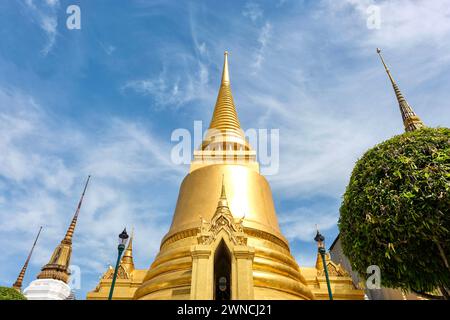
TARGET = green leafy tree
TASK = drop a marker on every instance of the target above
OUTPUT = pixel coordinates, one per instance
(396, 211)
(10, 294)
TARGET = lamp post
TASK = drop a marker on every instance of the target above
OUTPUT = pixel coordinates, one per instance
(122, 241)
(320, 239)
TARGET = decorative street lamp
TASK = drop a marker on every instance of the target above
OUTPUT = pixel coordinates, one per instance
(122, 241)
(320, 239)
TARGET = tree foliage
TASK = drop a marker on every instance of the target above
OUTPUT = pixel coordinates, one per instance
(396, 211)
(10, 294)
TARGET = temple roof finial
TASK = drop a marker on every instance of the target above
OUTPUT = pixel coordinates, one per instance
(18, 284)
(223, 201)
(410, 120)
(223, 194)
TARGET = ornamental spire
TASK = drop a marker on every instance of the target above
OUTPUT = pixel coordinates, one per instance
(58, 266)
(225, 115)
(225, 72)
(224, 141)
(71, 229)
(410, 120)
(223, 201)
(18, 284)
(223, 194)
(222, 205)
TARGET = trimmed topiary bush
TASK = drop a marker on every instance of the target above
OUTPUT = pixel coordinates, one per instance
(10, 294)
(396, 211)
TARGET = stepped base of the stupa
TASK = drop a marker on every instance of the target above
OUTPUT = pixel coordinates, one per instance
(47, 289)
(260, 269)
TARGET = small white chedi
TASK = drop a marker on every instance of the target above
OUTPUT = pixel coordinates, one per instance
(47, 289)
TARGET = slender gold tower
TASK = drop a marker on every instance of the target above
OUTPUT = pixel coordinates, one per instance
(224, 241)
(58, 266)
(18, 284)
(410, 119)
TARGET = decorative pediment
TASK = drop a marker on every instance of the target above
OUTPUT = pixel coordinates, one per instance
(334, 270)
(121, 273)
(222, 220)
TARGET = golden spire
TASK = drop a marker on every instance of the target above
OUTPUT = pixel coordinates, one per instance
(225, 115)
(223, 201)
(410, 120)
(58, 266)
(71, 229)
(18, 284)
(127, 259)
(224, 141)
(223, 194)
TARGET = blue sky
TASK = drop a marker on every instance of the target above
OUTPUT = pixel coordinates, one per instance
(104, 100)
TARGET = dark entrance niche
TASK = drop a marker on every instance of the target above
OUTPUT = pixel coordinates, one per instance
(222, 272)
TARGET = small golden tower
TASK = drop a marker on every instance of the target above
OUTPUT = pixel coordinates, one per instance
(18, 284)
(58, 266)
(410, 119)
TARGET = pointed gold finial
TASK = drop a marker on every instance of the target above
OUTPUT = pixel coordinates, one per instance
(410, 120)
(18, 284)
(223, 194)
(225, 72)
(385, 66)
(225, 115)
(223, 201)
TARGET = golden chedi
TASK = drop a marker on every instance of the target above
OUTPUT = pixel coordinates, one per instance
(224, 228)
(224, 241)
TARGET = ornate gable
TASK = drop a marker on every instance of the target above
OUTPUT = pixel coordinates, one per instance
(222, 220)
(121, 273)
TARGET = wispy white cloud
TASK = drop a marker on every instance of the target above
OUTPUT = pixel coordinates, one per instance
(45, 15)
(253, 11)
(175, 90)
(52, 3)
(49, 24)
(185, 75)
(301, 223)
(404, 23)
(263, 40)
(108, 48)
(128, 152)
(21, 118)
